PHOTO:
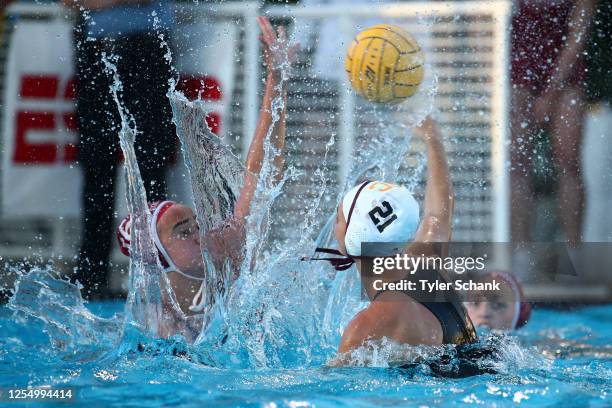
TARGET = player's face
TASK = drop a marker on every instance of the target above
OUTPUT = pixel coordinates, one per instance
(494, 310)
(340, 229)
(179, 234)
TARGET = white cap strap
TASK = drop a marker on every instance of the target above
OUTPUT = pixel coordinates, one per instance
(198, 303)
(153, 229)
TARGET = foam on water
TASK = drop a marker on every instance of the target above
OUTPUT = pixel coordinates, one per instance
(44, 296)
(165, 372)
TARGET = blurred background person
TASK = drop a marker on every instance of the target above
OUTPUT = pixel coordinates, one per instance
(548, 72)
(504, 309)
(133, 31)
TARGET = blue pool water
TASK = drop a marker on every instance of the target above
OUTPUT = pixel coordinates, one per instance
(564, 359)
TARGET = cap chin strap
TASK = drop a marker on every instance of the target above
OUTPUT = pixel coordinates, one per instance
(197, 304)
(345, 261)
(342, 263)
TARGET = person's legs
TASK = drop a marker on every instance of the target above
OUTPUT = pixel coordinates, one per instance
(98, 157)
(145, 73)
(523, 127)
(94, 254)
(567, 124)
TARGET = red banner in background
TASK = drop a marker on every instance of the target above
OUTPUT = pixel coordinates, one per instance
(207, 88)
(36, 88)
(40, 177)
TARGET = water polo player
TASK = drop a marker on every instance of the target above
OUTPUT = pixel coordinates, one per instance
(375, 211)
(505, 309)
(173, 226)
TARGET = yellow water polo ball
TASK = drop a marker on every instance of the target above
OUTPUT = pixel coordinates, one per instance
(384, 64)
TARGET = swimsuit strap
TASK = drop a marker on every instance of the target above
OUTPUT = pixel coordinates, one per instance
(350, 214)
(457, 328)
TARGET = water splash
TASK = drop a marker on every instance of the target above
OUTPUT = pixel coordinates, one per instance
(43, 295)
(280, 311)
(254, 325)
(144, 307)
(494, 353)
(215, 175)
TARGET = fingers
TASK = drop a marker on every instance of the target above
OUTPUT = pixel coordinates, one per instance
(282, 34)
(295, 48)
(426, 124)
(275, 43)
(427, 129)
(267, 31)
(261, 21)
(269, 35)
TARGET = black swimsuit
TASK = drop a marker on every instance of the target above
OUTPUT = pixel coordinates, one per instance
(464, 356)
(457, 328)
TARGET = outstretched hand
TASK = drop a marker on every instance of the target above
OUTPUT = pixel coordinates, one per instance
(427, 130)
(278, 53)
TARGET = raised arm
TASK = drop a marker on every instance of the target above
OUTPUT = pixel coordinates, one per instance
(278, 56)
(439, 197)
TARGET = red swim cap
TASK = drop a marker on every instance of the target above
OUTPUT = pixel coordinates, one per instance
(124, 231)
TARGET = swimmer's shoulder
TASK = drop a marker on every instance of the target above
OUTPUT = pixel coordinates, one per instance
(398, 317)
(359, 330)
(409, 322)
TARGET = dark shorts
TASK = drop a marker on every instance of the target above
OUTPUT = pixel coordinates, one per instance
(539, 31)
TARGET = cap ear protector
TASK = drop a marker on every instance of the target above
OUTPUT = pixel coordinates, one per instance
(524, 314)
(124, 234)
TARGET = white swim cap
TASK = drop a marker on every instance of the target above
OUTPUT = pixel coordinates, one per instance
(382, 212)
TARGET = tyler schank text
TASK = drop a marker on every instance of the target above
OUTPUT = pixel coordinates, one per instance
(425, 285)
